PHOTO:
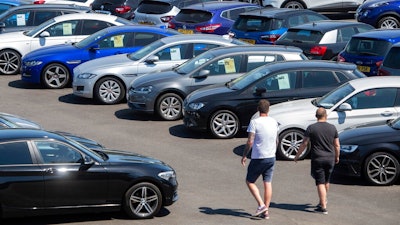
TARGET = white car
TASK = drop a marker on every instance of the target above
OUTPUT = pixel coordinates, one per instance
(68, 28)
(107, 79)
(370, 99)
(75, 2)
(320, 5)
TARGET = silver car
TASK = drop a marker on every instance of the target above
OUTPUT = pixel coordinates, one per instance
(106, 79)
(164, 91)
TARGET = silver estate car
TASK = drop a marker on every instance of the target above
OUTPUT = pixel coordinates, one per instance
(164, 91)
(106, 79)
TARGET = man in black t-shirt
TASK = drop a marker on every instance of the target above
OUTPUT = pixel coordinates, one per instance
(325, 150)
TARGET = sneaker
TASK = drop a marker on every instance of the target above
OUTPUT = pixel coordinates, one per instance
(260, 210)
(321, 210)
(266, 215)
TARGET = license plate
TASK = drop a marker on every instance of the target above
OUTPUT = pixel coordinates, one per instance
(251, 41)
(183, 31)
(103, 12)
(366, 69)
(146, 23)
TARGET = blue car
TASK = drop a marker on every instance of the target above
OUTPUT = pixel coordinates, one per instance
(368, 49)
(52, 66)
(265, 26)
(213, 17)
(6, 4)
(380, 13)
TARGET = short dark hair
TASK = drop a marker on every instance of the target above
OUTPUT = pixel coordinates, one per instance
(263, 106)
(320, 113)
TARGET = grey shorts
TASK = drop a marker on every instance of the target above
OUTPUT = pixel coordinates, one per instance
(258, 167)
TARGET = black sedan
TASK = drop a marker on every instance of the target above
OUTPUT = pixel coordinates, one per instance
(372, 152)
(45, 173)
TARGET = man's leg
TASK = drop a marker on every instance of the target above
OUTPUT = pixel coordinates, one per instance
(255, 192)
(267, 193)
(322, 194)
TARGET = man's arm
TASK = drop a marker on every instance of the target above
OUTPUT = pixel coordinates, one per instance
(336, 143)
(302, 147)
(249, 144)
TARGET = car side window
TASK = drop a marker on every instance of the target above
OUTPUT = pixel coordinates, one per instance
(199, 48)
(313, 79)
(92, 26)
(374, 98)
(281, 81)
(225, 66)
(144, 38)
(15, 153)
(176, 52)
(66, 28)
(19, 19)
(255, 61)
(42, 16)
(56, 152)
(232, 14)
(344, 34)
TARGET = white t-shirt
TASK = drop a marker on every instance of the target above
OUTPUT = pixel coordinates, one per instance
(265, 129)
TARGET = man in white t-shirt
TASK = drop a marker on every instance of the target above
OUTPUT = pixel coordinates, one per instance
(262, 139)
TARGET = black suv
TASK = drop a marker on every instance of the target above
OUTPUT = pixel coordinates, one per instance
(26, 17)
(121, 8)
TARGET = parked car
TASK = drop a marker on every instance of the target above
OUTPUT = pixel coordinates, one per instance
(7, 4)
(322, 39)
(370, 99)
(68, 28)
(368, 49)
(265, 26)
(390, 64)
(371, 151)
(26, 17)
(224, 109)
(53, 66)
(380, 13)
(137, 184)
(321, 6)
(87, 3)
(160, 12)
(121, 8)
(215, 17)
(107, 79)
(163, 92)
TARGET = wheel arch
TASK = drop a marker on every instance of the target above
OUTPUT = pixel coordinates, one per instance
(146, 180)
(168, 91)
(299, 1)
(223, 107)
(124, 86)
(57, 62)
(387, 148)
(391, 13)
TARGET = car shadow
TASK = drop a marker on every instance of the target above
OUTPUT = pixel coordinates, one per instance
(76, 100)
(184, 132)
(23, 85)
(127, 114)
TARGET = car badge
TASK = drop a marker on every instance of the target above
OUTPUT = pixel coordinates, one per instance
(102, 7)
(359, 62)
(184, 26)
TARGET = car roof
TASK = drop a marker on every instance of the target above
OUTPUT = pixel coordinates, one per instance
(254, 48)
(140, 27)
(376, 82)
(277, 12)
(25, 133)
(218, 5)
(327, 25)
(50, 6)
(311, 64)
(193, 37)
(380, 34)
(96, 16)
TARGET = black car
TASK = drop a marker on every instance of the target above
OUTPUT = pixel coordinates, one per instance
(26, 17)
(121, 8)
(371, 151)
(322, 39)
(45, 173)
(224, 109)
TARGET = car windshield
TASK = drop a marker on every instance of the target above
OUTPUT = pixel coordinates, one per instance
(92, 38)
(332, 98)
(194, 63)
(391, 59)
(248, 78)
(39, 28)
(135, 56)
(367, 47)
(20, 122)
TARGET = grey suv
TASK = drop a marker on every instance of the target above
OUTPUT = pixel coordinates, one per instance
(164, 91)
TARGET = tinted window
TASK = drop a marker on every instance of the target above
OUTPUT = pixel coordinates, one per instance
(20, 19)
(255, 61)
(41, 16)
(302, 36)
(313, 79)
(154, 7)
(344, 34)
(176, 52)
(4, 7)
(374, 98)
(193, 16)
(367, 47)
(15, 153)
(225, 65)
(65, 28)
(128, 40)
(55, 152)
(392, 59)
(250, 23)
(281, 81)
(233, 14)
(92, 26)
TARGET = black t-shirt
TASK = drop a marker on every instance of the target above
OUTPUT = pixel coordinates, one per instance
(322, 136)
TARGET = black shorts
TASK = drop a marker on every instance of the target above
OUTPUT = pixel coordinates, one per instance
(321, 170)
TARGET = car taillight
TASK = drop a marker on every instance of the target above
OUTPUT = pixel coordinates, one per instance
(318, 50)
(270, 37)
(382, 72)
(39, 2)
(171, 25)
(209, 28)
(341, 59)
(378, 64)
(123, 9)
(166, 19)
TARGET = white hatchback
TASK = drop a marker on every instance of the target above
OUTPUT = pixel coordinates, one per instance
(320, 5)
(370, 99)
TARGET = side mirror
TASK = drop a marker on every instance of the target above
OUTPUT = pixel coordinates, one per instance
(95, 47)
(152, 59)
(44, 34)
(2, 25)
(88, 160)
(344, 107)
(202, 74)
(259, 91)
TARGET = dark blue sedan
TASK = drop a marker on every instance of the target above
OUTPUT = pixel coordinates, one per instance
(52, 66)
(380, 13)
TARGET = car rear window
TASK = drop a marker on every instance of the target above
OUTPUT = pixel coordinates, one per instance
(255, 23)
(367, 47)
(154, 7)
(392, 58)
(193, 16)
(303, 36)
(115, 2)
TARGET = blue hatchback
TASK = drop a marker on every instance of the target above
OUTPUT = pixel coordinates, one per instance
(380, 13)
(52, 66)
(368, 49)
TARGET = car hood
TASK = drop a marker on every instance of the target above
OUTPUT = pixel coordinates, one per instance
(155, 78)
(296, 108)
(44, 52)
(212, 90)
(107, 62)
(125, 156)
(6, 38)
(366, 135)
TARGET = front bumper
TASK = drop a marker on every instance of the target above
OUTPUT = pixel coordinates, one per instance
(83, 87)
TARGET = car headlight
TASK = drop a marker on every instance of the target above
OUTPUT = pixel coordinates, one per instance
(168, 175)
(348, 148)
(378, 4)
(196, 105)
(143, 90)
(32, 63)
(86, 76)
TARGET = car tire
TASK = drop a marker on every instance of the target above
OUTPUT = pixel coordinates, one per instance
(388, 22)
(224, 124)
(257, 2)
(289, 143)
(55, 76)
(381, 169)
(169, 106)
(10, 62)
(109, 90)
(142, 201)
(293, 5)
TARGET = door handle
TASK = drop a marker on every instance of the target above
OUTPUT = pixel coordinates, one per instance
(387, 113)
(49, 170)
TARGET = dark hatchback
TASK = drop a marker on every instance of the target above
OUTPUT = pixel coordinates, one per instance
(26, 17)
(322, 39)
(224, 109)
(371, 151)
(45, 173)
(121, 8)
